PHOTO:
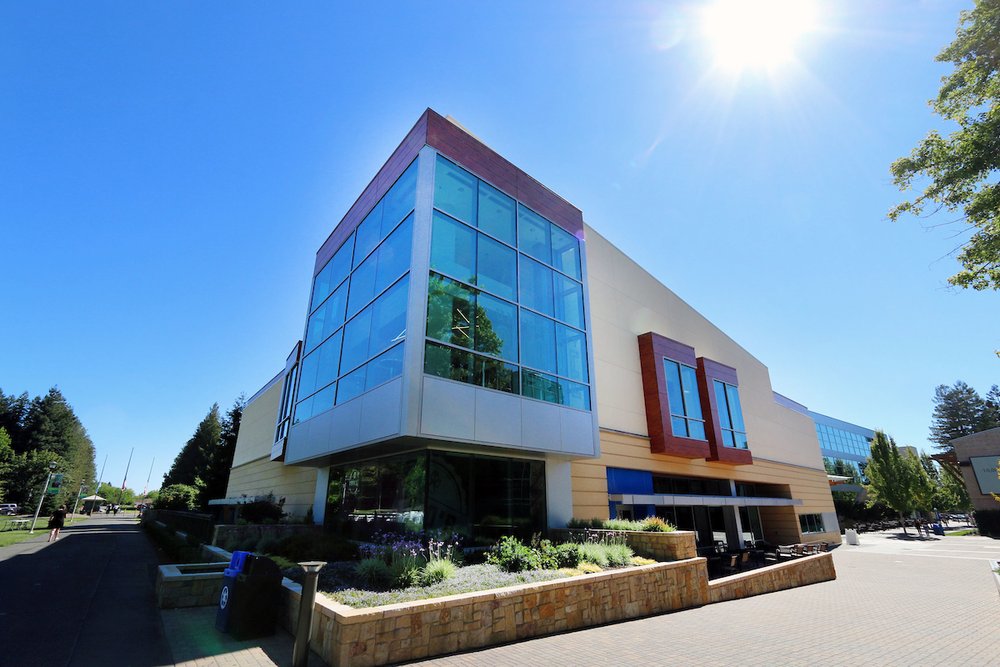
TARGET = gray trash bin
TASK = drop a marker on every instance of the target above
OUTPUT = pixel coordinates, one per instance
(248, 604)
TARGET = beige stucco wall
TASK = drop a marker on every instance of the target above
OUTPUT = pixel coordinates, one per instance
(627, 301)
(253, 472)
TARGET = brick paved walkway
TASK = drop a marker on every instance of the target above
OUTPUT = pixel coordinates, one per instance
(895, 602)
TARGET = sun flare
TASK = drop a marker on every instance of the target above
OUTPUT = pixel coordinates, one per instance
(757, 34)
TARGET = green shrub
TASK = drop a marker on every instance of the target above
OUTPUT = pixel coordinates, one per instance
(618, 555)
(373, 572)
(177, 497)
(593, 552)
(437, 571)
(264, 511)
(568, 555)
(655, 524)
(510, 555)
(639, 560)
(622, 524)
(548, 558)
(268, 544)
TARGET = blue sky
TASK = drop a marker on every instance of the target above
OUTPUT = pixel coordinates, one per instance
(168, 171)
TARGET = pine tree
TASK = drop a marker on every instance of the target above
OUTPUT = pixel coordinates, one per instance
(991, 410)
(220, 457)
(191, 463)
(958, 411)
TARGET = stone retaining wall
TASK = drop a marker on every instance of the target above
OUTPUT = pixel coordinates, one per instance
(193, 585)
(244, 533)
(415, 630)
(663, 547)
(796, 572)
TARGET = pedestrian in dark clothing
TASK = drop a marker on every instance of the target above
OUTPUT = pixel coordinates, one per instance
(56, 522)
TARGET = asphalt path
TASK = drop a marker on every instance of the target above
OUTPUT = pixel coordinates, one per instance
(86, 599)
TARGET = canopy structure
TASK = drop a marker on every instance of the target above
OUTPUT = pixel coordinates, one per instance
(93, 497)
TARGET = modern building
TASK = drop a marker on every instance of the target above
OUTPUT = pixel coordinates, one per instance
(476, 358)
(844, 446)
(978, 456)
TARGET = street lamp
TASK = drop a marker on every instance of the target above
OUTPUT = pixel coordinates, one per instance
(52, 469)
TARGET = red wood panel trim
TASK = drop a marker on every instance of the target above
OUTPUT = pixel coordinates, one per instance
(457, 144)
(386, 176)
(708, 371)
(652, 349)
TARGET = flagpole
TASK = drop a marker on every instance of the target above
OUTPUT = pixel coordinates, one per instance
(125, 479)
(146, 488)
(101, 478)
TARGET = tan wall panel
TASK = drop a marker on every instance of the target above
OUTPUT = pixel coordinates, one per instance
(257, 425)
(627, 301)
(295, 484)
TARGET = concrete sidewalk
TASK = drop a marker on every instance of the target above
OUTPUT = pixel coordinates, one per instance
(88, 600)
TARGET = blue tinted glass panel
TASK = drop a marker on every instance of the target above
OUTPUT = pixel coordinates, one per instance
(536, 286)
(542, 387)
(394, 255)
(533, 234)
(735, 409)
(320, 367)
(351, 386)
(674, 391)
(448, 362)
(400, 199)
(497, 213)
(571, 353)
(720, 399)
(538, 342)
(315, 404)
(450, 312)
(362, 285)
(453, 248)
(388, 320)
(496, 327)
(574, 395)
(494, 374)
(327, 318)
(679, 426)
(356, 341)
(727, 438)
(333, 273)
(455, 191)
(565, 252)
(568, 300)
(696, 429)
(497, 268)
(692, 402)
(368, 234)
(384, 367)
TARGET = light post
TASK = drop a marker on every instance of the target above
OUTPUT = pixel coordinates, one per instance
(82, 487)
(52, 469)
(303, 631)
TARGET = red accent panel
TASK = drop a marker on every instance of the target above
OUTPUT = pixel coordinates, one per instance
(455, 143)
(386, 176)
(708, 371)
(652, 349)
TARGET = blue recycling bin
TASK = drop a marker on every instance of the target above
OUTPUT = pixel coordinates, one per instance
(248, 603)
(938, 529)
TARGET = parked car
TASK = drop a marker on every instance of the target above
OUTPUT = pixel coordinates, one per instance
(8, 509)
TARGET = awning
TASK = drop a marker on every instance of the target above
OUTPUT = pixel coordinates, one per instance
(93, 497)
(666, 499)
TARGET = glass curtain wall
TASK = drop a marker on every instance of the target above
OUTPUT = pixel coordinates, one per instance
(505, 305)
(480, 498)
(357, 314)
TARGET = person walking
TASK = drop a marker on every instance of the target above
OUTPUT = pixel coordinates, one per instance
(56, 522)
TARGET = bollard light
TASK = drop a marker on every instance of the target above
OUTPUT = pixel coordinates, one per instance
(303, 631)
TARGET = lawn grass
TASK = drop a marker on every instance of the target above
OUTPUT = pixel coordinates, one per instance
(959, 533)
(9, 537)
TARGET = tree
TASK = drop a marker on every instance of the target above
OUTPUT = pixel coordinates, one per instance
(991, 410)
(962, 168)
(219, 456)
(6, 458)
(958, 411)
(177, 497)
(115, 494)
(894, 478)
(191, 463)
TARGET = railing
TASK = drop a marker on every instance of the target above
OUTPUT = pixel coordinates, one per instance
(199, 525)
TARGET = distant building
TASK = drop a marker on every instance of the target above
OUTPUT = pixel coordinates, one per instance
(978, 456)
(475, 358)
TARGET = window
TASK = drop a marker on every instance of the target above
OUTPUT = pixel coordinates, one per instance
(811, 523)
(685, 407)
(476, 331)
(734, 433)
(328, 318)
(334, 273)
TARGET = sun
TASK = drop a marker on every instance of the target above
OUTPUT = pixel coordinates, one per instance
(757, 34)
